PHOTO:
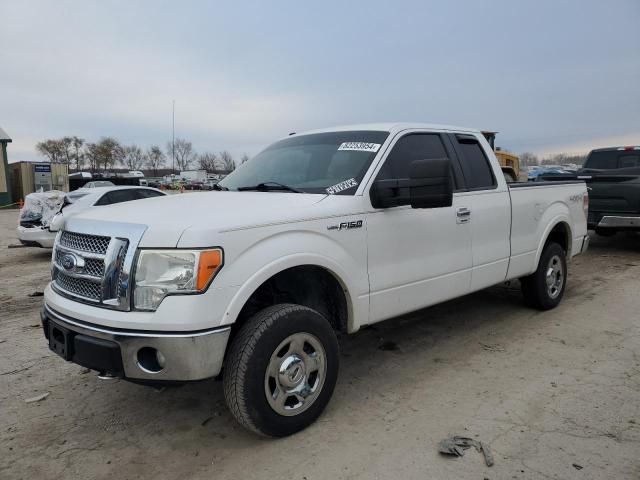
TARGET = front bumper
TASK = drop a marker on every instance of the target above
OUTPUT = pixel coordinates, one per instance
(185, 356)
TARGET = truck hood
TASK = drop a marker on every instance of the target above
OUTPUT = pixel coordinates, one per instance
(167, 218)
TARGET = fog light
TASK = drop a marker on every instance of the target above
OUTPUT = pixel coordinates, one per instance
(150, 360)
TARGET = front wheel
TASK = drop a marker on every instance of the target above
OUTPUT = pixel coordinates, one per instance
(544, 288)
(281, 370)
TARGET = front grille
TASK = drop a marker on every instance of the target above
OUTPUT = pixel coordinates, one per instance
(96, 270)
(85, 243)
(93, 266)
(79, 286)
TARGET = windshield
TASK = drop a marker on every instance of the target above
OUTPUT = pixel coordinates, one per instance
(612, 159)
(332, 163)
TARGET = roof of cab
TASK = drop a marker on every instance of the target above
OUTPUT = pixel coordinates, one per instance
(392, 127)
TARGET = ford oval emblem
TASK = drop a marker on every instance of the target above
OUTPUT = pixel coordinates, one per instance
(68, 262)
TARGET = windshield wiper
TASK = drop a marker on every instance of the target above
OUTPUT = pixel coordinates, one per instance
(220, 188)
(270, 186)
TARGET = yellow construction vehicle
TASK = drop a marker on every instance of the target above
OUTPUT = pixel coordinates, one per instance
(510, 162)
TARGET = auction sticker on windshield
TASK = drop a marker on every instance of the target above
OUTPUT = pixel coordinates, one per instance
(339, 187)
(360, 146)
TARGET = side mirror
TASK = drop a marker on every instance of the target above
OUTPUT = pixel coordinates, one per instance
(428, 186)
(430, 183)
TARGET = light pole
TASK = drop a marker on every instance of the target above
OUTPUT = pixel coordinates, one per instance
(173, 137)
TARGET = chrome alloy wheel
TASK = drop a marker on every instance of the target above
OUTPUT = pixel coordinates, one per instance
(554, 276)
(295, 374)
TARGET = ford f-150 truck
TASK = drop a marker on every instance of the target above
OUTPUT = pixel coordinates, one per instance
(322, 232)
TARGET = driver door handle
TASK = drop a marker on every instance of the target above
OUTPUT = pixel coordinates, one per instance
(463, 215)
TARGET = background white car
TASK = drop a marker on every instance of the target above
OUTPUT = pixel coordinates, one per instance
(38, 229)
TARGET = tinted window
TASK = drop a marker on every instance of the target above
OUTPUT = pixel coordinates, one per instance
(117, 196)
(142, 193)
(415, 146)
(475, 165)
(608, 160)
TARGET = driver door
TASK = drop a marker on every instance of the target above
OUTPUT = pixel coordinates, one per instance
(417, 256)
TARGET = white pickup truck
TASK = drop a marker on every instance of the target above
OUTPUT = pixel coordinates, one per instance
(321, 232)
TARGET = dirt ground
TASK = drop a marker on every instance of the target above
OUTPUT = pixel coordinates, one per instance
(554, 394)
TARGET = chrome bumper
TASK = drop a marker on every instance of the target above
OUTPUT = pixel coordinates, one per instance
(185, 356)
(609, 221)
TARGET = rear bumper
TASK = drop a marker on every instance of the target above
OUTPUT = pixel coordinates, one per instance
(622, 222)
(37, 236)
(585, 244)
(133, 355)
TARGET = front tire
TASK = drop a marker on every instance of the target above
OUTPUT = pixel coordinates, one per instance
(281, 370)
(544, 288)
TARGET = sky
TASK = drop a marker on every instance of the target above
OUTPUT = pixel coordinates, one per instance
(550, 75)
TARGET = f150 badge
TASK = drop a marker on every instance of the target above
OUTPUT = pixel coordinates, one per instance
(346, 225)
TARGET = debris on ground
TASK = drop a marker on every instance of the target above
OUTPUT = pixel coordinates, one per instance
(457, 445)
(36, 294)
(577, 467)
(37, 398)
(495, 347)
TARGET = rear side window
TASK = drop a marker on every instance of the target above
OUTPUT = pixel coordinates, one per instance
(415, 146)
(143, 193)
(117, 196)
(475, 164)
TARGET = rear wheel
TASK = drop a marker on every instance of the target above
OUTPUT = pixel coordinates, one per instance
(281, 370)
(544, 288)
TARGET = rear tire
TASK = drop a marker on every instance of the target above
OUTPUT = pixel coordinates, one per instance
(281, 370)
(544, 288)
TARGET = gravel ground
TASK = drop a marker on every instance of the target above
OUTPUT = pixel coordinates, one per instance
(554, 394)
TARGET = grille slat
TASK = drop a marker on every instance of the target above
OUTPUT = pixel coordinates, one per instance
(92, 266)
(85, 243)
(79, 286)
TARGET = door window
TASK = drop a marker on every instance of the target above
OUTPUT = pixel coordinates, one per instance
(415, 146)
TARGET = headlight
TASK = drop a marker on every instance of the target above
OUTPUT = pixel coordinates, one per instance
(169, 272)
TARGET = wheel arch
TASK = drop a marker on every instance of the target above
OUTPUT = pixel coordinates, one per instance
(559, 231)
(312, 282)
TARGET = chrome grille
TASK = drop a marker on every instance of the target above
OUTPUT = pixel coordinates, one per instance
(79, 286)
(85, 243)
(92, 268)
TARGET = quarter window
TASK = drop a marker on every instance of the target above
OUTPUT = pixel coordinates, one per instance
(475, 164)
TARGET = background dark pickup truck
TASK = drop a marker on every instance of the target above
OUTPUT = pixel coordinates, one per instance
(613, 181)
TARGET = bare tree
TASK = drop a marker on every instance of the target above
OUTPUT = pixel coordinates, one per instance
(155, 159)
(52, 149)
(227, 161)
(244, 158)
(528, 159)
(183, 151)
(208, 161)
(106, 153)
(77, 144)
(133, 157)
(92, 154)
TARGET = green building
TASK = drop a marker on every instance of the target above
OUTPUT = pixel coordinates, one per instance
(5, 189)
